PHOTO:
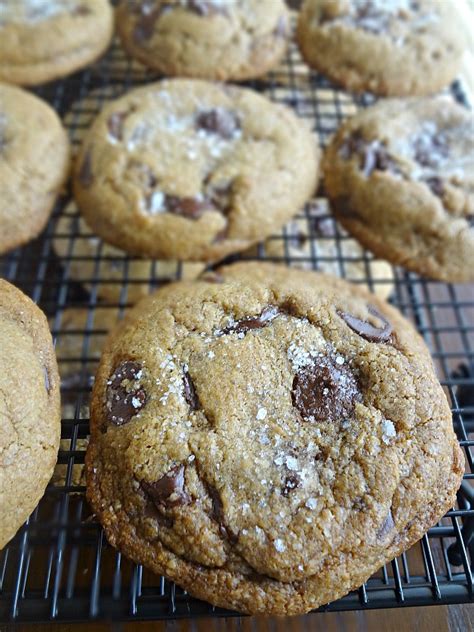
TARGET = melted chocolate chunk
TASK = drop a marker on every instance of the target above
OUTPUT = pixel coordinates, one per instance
(145, 24)
(115, 124)
(86, 177)
(168, 491)
(372, 156)
(220, 121)
(205, 7)
(436, 185)
(386, 527)
(189, 207)
(366, 330)
(290, 483)
(218, 514)
(124, 402)
(221, 197)
(325, 391)
(254, 322)
(190, 394)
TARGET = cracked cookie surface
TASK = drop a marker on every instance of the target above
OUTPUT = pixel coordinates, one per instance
(190, 170)
(42, 40)
(268, 438)
(34, 165)
(389, 47)
(206, 39)
(400, 178)
(30, 426)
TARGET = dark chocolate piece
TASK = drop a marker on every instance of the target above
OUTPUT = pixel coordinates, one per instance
(124, 402)
(366, 330)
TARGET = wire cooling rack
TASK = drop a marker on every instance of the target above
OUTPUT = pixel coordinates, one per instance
(59, 566)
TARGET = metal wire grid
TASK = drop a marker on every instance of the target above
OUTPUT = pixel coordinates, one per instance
(59, 566)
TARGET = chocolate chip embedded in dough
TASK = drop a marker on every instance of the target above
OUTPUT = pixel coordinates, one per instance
(254, 322)
(168, 491)
(125, 397)
(365, 329)
(325, 391)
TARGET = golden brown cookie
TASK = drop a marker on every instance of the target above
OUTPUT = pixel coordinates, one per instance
(191, 170)
(270, 440)
(400, 178)
(41, 40)
(206, 39)
(107, 270)
(34, 165)
(389, 47)
(29, 408)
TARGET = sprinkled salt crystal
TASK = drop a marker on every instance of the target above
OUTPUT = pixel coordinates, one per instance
(157, 202)
(263, 481)
(339, 360)
(291, 463)
(191, 458)
(279, 460)
(300, 567)
(211, 355)
(388, 431)
(241, 335)
(261, 414)
(245, 507)
(250, 389)
(136, 402)
(279, 545)
(311, 503)
(263, 439)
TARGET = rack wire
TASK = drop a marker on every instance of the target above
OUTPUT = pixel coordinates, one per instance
(60, 566)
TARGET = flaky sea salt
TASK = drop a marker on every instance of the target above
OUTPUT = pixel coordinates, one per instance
(279, 545)
(388, 431)
(311, 503)
(261, 414)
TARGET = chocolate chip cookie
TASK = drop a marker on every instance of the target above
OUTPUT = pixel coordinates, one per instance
(391, 48)
(190, 170)
(30, 425)
(400, 177)
(206, 39)
(268, 438)
(41, 40)
(34, 165)
(108, 271)
(317, 239)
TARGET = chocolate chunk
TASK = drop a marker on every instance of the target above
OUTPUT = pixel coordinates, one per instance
(325, 391)
(189, 207)
(190, 394)
(290, 483)
(124, 401)
(254, 322)
(386, 528)
(218, 514)
(365, 329)
(220, 121)
(86, 177)
(373, 156)
(205, 7)
(221, 197)
(115, 124)
(436, 185)
(168, 491)
(145, 24)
